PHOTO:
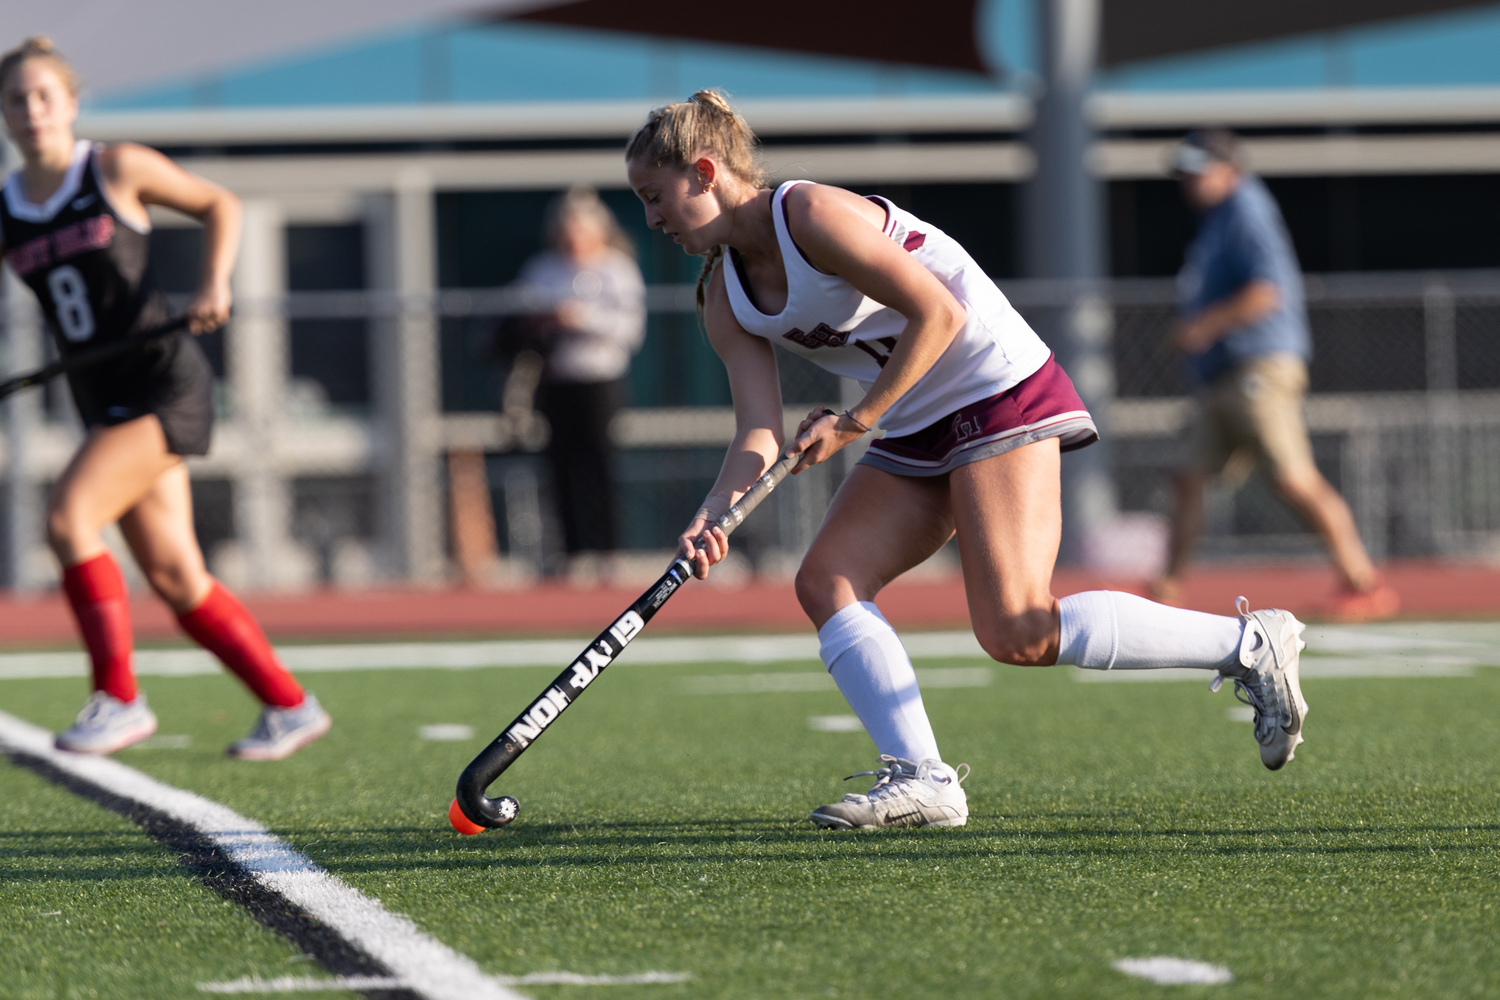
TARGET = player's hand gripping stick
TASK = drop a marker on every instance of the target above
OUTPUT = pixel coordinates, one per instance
(473, 811)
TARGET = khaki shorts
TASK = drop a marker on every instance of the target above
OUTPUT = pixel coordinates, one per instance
(1252, 414)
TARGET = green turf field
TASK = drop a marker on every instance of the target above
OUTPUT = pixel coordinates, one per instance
(665, 829)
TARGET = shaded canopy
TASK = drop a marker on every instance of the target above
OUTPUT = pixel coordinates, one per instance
(941, 33)
(1147, 29)
(887, 30)
(119, 44)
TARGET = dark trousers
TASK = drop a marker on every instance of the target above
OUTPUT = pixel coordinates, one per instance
(580, 452)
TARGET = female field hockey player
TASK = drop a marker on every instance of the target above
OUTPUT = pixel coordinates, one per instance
(73, 226)
(976, 413)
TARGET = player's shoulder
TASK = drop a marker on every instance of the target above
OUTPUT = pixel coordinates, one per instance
(119, 160)
(817, 209)
(813, 199)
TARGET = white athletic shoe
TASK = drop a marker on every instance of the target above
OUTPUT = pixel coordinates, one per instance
(1266, 678)
(107, 724)
(907, 794)
(281, 732)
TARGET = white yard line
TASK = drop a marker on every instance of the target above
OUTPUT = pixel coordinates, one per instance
(1311, 667)
(308, 984)
(423, 964)
(492, 653)
(1407, 649)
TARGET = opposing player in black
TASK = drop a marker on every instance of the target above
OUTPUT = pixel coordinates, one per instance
(73, 226)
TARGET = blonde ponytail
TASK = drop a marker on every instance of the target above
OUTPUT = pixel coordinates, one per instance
(676, 135)
(38, 47)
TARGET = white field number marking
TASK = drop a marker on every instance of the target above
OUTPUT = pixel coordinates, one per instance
(1174, 971)
(835, 723)
(446, 732)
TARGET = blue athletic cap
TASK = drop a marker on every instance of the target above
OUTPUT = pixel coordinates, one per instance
(1202, 148)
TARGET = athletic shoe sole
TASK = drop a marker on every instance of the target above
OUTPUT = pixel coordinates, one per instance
(1292, 672)
(125, 739)
(834, 823)
(291, 746)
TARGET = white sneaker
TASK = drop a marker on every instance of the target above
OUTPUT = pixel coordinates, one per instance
(907, 794)
(107, 724)
(281, 732)
(1266, 679)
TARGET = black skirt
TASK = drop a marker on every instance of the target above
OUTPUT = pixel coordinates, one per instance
(170, 378)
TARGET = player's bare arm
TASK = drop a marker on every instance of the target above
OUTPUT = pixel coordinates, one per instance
(137, 176)
(1254, 301)
(842, 234)
(751, 365)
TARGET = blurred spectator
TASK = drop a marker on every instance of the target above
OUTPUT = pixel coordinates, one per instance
(590, 319)
(1244, 329)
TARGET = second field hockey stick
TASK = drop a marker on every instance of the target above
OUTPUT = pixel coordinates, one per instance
(93, 356)
(473, 804)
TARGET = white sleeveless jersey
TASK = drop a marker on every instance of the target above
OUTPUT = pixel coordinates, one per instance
(837, 327)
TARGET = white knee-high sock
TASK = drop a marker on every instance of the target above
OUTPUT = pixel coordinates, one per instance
(871, 668)
(1109, 630)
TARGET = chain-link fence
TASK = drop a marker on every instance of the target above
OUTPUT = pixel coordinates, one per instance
(1403, 410)
(418, 455)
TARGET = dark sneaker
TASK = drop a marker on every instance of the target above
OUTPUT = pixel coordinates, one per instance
(907, 794)
(1266, 678)
(281, 732)
(107, 724)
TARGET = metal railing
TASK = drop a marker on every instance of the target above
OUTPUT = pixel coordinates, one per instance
(1404, 412)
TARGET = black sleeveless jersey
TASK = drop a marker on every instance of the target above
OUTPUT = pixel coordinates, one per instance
(89, 269)
(86, 264)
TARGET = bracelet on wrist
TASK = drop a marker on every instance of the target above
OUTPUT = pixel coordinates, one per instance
(857, 422)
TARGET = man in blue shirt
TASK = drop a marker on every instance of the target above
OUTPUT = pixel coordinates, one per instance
(1244, 330)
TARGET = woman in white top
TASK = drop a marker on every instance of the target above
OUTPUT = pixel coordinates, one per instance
(592, 319)
(976, 414)
(74, 227)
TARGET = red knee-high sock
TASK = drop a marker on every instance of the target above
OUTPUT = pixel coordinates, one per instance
(222, 626)
(101, 603)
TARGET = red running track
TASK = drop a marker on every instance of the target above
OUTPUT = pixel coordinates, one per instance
(1427, 589)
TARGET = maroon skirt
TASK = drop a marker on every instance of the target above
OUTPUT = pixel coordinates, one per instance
(1042, 405)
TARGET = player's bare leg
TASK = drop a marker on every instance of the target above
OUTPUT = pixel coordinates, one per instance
(1187, 529)
(111, 472)
(159, 530)
(1007, 513)
(1366, 597)
(108, 475)
(879, 526)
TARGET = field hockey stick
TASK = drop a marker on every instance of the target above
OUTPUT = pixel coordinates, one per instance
(94, 356)
(472, 803)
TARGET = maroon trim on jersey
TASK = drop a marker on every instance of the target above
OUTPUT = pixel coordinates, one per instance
(889, 226)
(822, 335)
(914, 241)
(1043, 405)
(94, 233)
